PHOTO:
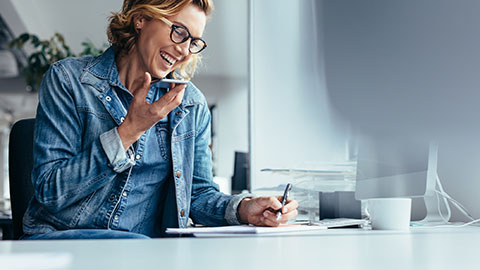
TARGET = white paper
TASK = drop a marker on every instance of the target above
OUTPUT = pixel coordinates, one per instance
(245, 229)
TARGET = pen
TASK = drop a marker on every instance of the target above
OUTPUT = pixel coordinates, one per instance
(284, 199)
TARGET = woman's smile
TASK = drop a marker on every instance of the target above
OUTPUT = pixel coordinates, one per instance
(169, 59)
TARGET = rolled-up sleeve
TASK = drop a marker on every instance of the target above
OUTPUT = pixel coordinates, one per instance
(231, 212)
(118, 158)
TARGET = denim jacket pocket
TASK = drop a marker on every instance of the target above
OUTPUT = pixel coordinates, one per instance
(163, 137)
(184, 136)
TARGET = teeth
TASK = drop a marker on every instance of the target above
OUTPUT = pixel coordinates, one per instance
(167, 57)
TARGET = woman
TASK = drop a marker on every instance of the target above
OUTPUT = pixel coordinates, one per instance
(118, 156)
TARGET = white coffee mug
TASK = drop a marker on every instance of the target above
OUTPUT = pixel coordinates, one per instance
(390, 213)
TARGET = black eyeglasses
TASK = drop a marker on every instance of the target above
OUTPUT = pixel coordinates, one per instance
(180, 34)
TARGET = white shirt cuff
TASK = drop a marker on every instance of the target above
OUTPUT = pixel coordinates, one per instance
(118, 158)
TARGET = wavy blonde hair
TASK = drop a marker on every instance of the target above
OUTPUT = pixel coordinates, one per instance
(123, 35)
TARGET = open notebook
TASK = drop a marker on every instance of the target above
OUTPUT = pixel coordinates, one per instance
(282, 229)
(245, 229)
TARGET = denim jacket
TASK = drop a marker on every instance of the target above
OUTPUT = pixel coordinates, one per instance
(80, 163)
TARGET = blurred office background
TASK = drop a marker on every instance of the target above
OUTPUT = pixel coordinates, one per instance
(222, 75)
(284, 78)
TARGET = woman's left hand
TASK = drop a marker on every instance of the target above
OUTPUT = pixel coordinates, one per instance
(262, 211)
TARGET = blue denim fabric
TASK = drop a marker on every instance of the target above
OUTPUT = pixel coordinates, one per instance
(86, 234)
(141, 206)
(81, 170)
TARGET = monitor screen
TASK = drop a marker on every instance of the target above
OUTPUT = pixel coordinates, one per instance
(404, 66)
(391, 167)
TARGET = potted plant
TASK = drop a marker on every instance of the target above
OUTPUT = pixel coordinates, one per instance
(45, 53)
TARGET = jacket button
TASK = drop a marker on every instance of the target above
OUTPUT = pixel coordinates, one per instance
(182, 213)
(179, 113)
(178, 174)
(112, 197)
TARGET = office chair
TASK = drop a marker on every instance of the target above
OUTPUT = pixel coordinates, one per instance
(240, 173)
(20, 162)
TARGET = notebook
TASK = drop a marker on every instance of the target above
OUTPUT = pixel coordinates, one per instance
(246, 230)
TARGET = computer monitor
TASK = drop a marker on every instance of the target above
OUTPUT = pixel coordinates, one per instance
(403, 67)
(406, 69)
(390, 166)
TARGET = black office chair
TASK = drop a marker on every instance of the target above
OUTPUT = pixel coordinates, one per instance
(240, 173)
(20, 162)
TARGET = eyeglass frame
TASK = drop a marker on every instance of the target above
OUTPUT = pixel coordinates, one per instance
(174, 26)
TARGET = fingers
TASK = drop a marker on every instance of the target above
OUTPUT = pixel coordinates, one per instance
(270, 219)
(289, 205)
(263, 211)
(174, 101)
(284, 218)
(270, 202)
(180, 90)
(265, 216)
(147, 80)
(289, 211)
(141, 91)
(171, 99)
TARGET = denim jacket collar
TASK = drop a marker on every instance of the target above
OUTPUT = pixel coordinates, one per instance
(101, 72)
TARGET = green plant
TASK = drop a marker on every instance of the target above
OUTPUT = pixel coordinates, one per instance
(47, 52)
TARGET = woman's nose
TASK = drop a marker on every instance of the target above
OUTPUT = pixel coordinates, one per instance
(183, 48)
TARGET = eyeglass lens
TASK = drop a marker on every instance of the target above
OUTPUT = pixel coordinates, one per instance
(180, 34)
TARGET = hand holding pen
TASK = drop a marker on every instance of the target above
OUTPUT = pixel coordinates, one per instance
(262, 211)
(284, 200)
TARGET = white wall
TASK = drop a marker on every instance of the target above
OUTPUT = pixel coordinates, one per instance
(76, 20)
(222, 77)
(292, 121)
(230, 119)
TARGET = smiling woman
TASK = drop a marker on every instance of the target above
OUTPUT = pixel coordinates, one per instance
(118, 155)
(124, 29)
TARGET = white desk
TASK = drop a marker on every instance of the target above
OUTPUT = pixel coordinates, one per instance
(330, 249)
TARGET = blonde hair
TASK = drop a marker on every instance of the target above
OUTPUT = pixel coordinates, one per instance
(123, 35)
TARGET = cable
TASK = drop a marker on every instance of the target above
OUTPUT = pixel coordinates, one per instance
(456, 204)
(447, 206)
(446, 198)
(469, 223)
(455, 226)
(445, 219)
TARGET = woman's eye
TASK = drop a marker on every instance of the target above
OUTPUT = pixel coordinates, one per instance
(194, 44)
(180, 32)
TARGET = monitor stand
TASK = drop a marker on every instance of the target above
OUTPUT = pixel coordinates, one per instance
(434, 201)
(433, 204)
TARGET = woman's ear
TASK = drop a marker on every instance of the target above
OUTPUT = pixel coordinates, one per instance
(138, 22)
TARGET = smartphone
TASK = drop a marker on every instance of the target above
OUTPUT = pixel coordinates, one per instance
(165, 83)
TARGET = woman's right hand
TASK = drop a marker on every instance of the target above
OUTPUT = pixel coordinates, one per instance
(141, 115)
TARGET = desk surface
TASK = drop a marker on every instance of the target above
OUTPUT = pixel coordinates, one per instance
(331, 249)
